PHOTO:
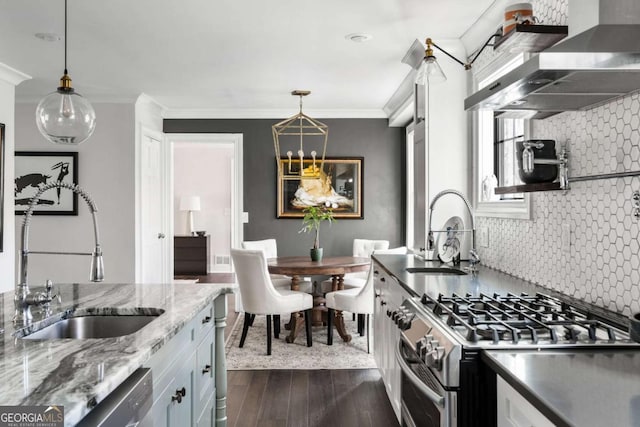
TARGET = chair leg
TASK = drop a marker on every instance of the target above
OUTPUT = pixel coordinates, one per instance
(307, 324)
(253, 317)
(353, 317)
(367, 320)
(276, 326)
(245, 328)
(268, 335)
(361, 320)
(330, 327)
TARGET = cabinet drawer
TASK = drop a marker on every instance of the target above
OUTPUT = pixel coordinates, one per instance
(187, 254)
(203, 322)
(190, 242)
(205, 375)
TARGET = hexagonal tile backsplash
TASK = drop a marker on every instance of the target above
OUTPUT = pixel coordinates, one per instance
(602, 264)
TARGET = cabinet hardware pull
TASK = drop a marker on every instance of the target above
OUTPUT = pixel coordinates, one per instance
(206, 320)
(180, 393)
(207, 369)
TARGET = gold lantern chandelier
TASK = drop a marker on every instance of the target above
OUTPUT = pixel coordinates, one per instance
(295, 132)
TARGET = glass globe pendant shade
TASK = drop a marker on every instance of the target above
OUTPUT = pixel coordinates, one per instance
(64, 116)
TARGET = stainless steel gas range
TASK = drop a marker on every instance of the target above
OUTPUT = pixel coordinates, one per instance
(444, 382)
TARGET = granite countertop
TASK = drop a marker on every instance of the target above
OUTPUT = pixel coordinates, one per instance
(581, 387)
(73, 372)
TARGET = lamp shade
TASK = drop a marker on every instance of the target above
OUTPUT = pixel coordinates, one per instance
(430, 72)
(190, 203)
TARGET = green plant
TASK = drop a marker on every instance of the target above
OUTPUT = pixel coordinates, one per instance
(313, 217)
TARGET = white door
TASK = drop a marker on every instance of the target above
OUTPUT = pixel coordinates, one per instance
(151, 225)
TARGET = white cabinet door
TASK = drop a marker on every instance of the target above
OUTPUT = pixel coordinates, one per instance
(174, 404)
(515, 411)
(182, 410)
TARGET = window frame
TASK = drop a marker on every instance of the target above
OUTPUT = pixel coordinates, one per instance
(515, 209)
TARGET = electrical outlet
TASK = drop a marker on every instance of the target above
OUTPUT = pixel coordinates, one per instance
(483, 237)
(566, 237)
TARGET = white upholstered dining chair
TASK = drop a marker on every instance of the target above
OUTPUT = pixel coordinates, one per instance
(259, 296)
(362, 248)
(270, 249)
(357, 300)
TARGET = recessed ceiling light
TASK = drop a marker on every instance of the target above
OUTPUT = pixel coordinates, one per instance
(358, 37)
(49, 37)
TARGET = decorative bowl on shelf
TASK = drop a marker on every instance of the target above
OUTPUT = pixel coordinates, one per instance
(201, 233)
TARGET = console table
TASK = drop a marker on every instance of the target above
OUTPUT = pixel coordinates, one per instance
(190, 255)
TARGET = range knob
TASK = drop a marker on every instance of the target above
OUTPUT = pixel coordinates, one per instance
(433, 358)
(421, 347)
(405, 323)
(389, 312)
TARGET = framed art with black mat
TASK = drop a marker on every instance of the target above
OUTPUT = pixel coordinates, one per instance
(37, 168)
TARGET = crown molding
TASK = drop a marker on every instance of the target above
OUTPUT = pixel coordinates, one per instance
(171, 113)
(11, 75)
(101, 99)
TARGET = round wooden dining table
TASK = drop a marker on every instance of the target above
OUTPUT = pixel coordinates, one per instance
(336, 267)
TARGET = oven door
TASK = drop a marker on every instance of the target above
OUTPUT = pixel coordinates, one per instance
(425, 403)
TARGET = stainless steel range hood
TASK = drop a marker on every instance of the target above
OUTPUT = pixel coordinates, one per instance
(593, 67)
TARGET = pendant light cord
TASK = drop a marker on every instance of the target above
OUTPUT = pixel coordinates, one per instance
(65, 36)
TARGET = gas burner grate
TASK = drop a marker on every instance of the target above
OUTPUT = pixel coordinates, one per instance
(512, 318)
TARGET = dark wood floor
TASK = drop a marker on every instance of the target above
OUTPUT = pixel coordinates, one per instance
(305, 398)
(335, 398)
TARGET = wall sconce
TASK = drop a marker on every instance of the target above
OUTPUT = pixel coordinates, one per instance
(300, 126)
(430, 71)
(190, 204)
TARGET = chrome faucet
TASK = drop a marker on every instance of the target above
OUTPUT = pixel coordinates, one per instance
(24, 298)
(529, 161)
(474, 258)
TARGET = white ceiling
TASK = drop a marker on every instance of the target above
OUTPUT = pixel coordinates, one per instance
(227, 55)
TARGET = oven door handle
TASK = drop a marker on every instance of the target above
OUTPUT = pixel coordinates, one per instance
(406, 369)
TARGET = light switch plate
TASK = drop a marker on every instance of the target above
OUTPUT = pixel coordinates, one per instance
(483, 237)
(566, 237)
(245, 217)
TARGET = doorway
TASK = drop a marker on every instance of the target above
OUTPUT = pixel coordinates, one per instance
(209, 167)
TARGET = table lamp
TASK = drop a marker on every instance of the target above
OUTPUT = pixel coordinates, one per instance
(190, 204)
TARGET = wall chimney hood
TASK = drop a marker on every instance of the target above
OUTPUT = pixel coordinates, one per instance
(589, 69)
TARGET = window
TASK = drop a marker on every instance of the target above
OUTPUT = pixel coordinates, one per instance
(495, 154)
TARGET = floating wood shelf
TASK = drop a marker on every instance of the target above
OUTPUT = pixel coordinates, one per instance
(527, 188)
(530, 38)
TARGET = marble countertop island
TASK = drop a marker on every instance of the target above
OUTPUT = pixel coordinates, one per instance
(79, 373)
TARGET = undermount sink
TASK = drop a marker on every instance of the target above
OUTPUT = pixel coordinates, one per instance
(437, 270)
(95, 326)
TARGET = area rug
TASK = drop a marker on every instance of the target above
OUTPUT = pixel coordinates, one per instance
(340, 355)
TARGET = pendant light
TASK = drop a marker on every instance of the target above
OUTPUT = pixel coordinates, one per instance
(64, 116)
(296, 131)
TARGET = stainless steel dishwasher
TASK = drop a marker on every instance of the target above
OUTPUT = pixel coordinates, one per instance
(127, 405)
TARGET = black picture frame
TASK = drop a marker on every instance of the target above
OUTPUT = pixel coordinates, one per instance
(37, 168)
(2, 171)
(345, 174)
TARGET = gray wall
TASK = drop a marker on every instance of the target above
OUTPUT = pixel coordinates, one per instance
(383, 149)
(106, 170)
